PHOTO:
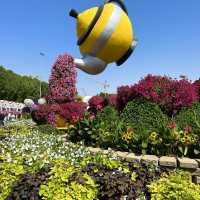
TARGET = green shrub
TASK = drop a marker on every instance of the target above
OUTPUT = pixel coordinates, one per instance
(189, 117)
(176, 186)
(9, 173)
(144, 116)
(109, 127)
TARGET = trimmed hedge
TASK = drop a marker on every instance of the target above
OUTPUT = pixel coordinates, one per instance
(144, 116)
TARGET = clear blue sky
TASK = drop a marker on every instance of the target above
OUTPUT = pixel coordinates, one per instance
(168, 33)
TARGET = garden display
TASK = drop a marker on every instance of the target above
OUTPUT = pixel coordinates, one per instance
(36, 164)
(159, 116)
(156, 116)
(60, 106)
(49, 157)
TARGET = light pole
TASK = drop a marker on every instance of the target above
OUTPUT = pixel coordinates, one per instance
(42, 54)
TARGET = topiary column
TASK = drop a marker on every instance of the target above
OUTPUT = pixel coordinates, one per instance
(62, 82)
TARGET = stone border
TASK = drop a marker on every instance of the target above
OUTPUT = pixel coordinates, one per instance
(192, 165)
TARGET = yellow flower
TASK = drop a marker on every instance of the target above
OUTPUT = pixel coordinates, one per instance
(128, 136)
(153, 136)
(71, 126)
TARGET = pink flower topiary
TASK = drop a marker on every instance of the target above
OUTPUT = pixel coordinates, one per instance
(62, 81)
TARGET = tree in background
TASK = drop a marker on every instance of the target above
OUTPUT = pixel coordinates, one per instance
(14, 87)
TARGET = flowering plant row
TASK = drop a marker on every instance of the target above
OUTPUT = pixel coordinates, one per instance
(170, 94)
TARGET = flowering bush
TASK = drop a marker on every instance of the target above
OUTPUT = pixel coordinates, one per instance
(112, 100)
(96, 103)
(71, 112)
(123, 96)
(62, 80)
(39, 115)
(170, 94)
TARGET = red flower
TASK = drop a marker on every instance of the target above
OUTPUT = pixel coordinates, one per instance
(188, 129)
(171, 125)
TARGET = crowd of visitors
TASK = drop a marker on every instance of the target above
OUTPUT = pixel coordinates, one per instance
(9, 111)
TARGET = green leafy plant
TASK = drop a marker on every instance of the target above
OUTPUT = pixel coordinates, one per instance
(16, 130)
(109, 127)
(47, 129)
(176, 186)
(9, 173)
(189, 117)
(103, 130)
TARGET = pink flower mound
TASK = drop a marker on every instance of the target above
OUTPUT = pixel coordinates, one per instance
(112, 100)
(96, 103)
(73, 111)
(62, 81)
(170, 94)
(124, 95)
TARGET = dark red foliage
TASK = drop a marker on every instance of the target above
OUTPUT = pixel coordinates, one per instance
(28, 185)
(170, 94)
(62, 81)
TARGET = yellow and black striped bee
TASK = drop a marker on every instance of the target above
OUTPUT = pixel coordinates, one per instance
(105, 35)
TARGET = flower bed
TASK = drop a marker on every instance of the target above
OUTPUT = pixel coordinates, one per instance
(36, 164)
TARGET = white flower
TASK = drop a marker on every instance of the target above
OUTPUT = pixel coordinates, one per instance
(42, 101)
